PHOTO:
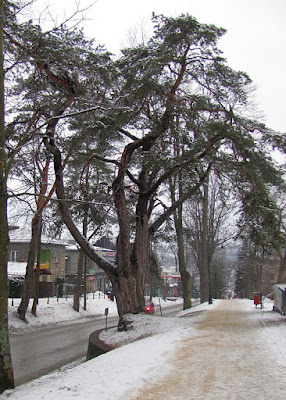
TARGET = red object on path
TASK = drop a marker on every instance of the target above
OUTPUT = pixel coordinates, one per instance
(257, 298)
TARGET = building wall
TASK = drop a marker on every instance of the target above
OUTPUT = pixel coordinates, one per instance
(19, 252)
(96, 278)
(62, 261)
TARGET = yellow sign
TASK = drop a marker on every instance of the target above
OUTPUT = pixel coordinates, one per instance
(43, 266)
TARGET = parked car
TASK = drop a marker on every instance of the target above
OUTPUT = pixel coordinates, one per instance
(149, 307)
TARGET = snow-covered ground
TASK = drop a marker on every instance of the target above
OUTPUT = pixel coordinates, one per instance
(123, 372)
(53, 312)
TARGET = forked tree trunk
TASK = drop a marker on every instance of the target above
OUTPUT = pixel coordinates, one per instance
(29, 277)
(35, 244)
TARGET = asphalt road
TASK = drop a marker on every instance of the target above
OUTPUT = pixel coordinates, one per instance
(37, 353)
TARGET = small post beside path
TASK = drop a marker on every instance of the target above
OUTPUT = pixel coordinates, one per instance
(106, 314)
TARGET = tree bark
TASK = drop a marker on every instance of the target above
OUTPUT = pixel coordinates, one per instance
(78, 285)
(34, 246)
(6, 369)
(178, 220)
(204, 264)
(185, 274)
(282, 267)
(29, 277)
(37, 275)
(81, 267)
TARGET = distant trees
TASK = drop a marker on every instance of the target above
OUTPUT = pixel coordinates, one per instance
(261, 259)
(207, 228)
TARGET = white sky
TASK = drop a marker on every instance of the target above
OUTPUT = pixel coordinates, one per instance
(254, 43)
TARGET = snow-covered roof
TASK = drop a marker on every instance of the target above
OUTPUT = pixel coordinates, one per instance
(72, 247)
(17, 268)
(281, 286)
(23, 235)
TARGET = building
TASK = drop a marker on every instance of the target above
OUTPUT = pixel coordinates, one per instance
(59, 260)
(96, 279)
(52, 266)
(52, 251)
(172, 282)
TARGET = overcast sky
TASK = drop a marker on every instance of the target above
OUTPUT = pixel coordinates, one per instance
(255, 41)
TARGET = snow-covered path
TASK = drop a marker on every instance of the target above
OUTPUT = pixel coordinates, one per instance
(229, 358)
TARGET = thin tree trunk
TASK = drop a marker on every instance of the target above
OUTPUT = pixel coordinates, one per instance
(6, 369)
(84, 283)
(204, 270)
(185, 274)
(37, 276)
(81, 266)
(78, 285)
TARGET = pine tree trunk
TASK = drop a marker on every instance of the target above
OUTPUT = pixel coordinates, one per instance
(6, 369)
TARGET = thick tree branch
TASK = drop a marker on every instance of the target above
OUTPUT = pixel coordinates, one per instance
(167, 213)
(178, 166)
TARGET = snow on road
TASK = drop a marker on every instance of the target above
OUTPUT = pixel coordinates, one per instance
(229, 351)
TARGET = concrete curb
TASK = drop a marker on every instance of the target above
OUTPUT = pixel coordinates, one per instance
(96, 346)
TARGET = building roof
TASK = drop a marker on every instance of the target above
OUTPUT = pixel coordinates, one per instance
(23, 235)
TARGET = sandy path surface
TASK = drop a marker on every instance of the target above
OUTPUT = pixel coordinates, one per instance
(227, 359)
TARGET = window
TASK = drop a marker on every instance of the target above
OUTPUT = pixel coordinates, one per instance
(56, 257)
(13, 255)
(68, 264)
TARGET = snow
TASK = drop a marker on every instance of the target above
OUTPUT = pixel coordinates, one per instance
(23, 235)
(54, 312)
(17, 268)
(228, 350)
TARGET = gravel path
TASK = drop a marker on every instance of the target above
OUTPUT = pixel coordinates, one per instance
(227, 359)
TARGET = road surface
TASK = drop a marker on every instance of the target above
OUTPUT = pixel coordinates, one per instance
(37, 353)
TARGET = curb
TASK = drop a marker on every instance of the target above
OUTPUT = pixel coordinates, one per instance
(96, 346)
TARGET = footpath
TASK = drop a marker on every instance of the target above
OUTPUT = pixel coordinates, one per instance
(229, 358)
